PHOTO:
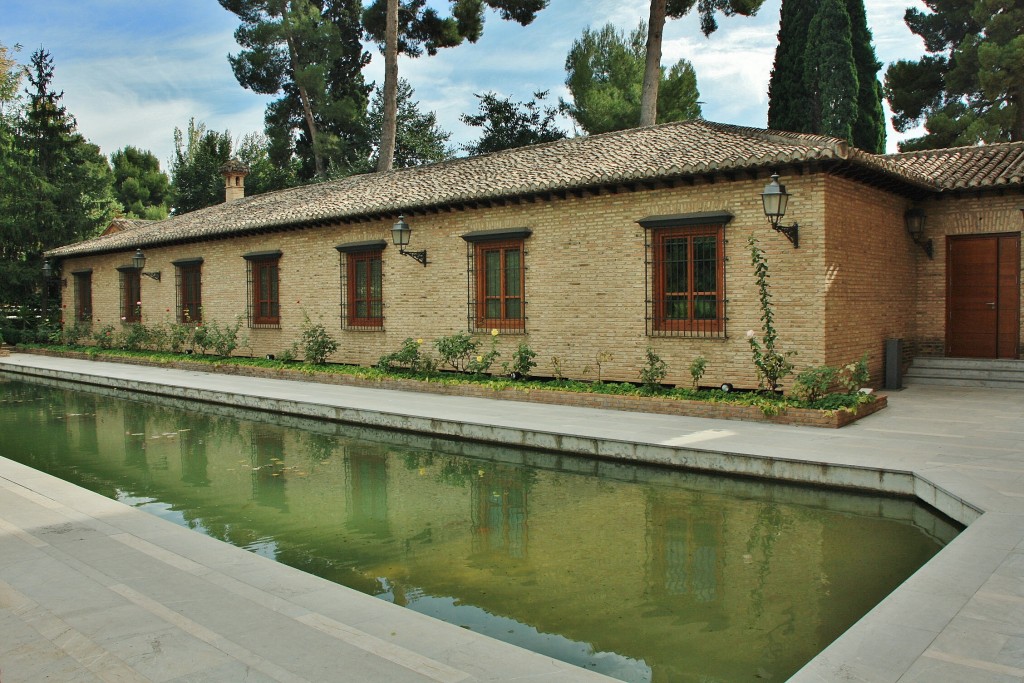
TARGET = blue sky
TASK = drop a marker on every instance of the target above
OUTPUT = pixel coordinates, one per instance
(133, 70)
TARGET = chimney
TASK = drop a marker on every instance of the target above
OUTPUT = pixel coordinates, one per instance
(234, 173)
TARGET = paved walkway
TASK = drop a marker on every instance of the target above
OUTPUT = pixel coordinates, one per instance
(92, 590)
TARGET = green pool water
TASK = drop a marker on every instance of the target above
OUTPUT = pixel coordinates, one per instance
(644, 574)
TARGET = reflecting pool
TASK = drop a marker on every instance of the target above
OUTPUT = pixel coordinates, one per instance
(641, 573)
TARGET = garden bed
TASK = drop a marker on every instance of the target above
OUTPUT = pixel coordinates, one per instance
(717, 405)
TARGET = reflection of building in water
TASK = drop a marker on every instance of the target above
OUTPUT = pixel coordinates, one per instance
(499, 512)
(268, 473)
(685, 541)
(135, 435)
(193, 455)
(366, 470)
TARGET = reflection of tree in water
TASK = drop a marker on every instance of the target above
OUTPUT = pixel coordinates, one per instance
(769, 524)
(319, 447)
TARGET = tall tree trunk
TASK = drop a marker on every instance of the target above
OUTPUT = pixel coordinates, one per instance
(389, 126)
(307, 107)
(652, 69)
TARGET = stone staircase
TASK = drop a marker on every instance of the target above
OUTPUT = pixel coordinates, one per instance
(966, 372)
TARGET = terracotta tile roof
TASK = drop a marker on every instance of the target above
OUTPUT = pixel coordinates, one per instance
(658, 152)
(967, 167)
(119, 224)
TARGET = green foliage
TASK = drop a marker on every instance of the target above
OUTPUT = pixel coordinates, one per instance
(605, 73)
(697, 368)
(410, 357)
(199, 153)
(317, 343)
(223, 339)
(201, 338)
(74, 333)
(522, 362)
(825, 77)
(772, 365)
(133, 337)
(829, 73)
(814, 383)
(507, 124)
(457, 350)
(139, 184)
(55, 187)
(105, 337)
(653, 372)
(309, 53)
(265, 175)
(966, 89)
(419, 140)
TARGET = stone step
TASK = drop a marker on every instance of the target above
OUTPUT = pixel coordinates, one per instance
(967, 372)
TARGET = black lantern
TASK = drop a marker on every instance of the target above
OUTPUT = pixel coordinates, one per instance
(400, 233)
(915, 220)
(775, 200)
(139, 262)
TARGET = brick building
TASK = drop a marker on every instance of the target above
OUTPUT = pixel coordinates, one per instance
(592, 249)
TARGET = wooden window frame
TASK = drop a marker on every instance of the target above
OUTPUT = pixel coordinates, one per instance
(131, 294)
(503, 322)
(661, 322)
(256, 264)
(83, 296)
(189, 311)
(352, 318)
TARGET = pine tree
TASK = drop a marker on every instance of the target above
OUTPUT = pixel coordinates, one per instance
(507, 124)
(605, 71)
(199, 153)
(664, 9)
(309, 52)
(410, 26)
(969, 87)
(869, 126)
(419, 139)
(141, 187)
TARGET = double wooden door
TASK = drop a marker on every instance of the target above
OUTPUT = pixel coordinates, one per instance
(983, 296)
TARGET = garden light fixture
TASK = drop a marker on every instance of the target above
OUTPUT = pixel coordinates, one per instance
(914, 219)
(775, 198)
(400, 233)
(139, 261)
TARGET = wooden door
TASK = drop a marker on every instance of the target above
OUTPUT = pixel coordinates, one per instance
(983, 296)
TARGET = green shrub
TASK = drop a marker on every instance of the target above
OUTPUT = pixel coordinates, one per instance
(179, 336)
(201, 338)
(814, 383)
(223, 340)
(653, 372)
(134, 337)
(317, 343)
(522, 362)
(772, 365)
(409, 357)
(105, 337)
(697, 368)
(855, 375)
(457, 350)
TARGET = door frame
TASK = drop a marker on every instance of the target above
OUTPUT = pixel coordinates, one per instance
(1001, 307)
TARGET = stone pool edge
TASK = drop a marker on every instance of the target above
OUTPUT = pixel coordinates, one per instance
(894, 641)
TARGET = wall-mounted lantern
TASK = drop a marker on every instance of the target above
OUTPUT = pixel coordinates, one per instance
(400, 233)
(775, 199)
(915, 220)
(139, 262)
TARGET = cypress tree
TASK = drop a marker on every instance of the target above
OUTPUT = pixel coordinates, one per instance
(829, 74)
(842, 39)
(869, 127)
(789, 102)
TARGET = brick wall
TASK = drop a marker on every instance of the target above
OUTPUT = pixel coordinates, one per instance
(848, 287)
(868, 274)
(984, 214)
